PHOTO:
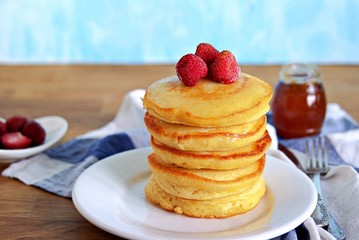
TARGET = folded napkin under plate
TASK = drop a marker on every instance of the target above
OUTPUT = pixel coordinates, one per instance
(56, 169)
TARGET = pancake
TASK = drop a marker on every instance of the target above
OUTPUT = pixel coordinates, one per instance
(208, 104)
(191, 138)
(204, 183)
(220, 160)
(211, 208)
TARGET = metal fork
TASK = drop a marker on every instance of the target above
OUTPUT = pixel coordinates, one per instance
(317, 163)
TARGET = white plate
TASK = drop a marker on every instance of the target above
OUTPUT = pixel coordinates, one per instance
(55, 128)
(110, 194)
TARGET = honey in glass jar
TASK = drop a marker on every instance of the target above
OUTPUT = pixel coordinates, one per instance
(299, 102)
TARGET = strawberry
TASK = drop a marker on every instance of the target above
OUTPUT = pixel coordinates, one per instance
(207, 52)
(15, 123)
(3, 129)
(190, 68)
(35, 132)
(15, 140)
(225, 68)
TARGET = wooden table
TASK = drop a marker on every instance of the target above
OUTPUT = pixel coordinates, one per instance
(88, 97)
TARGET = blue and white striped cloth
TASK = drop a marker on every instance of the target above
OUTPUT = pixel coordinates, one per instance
(56, 169)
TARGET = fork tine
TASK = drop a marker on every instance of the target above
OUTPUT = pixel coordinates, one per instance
(308, 161)
(314, 160)
(326, 149)
(320, 154)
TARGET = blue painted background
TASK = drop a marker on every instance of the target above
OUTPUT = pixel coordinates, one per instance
(161, 31)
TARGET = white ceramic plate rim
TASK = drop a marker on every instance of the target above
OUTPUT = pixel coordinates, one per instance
(101, 192)
(55, 127)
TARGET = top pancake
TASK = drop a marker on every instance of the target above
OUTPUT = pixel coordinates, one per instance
(208, 104)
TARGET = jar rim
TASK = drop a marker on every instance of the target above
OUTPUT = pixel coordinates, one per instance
(300, 73)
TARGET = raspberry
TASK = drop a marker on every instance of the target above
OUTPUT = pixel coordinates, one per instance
(15, 140)
(15, 123)
(225, 68)
(35, 132)
(190, 68)
(207, 52)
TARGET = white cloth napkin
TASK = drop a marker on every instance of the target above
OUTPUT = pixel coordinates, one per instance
(347, 146)
(129, 116)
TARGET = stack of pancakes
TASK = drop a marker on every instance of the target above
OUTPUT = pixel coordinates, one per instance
(209, 144)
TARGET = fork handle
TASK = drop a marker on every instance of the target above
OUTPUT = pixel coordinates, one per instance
(320, 214)
(335, 229)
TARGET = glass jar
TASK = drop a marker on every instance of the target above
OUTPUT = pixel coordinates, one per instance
(299, 102)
